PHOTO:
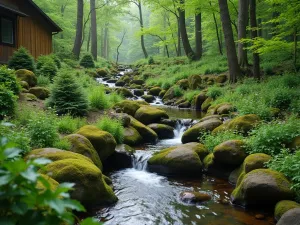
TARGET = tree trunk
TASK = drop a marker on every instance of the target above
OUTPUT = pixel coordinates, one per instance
(105, 42)
(178, 37)
(234, 69)
(79, 26)
(217, 32)
(254, 34)
(142, 28)
(88, 41)
(295, 48)
(94, 44)
(242, 32)
(198, 32)
(62, 11)
(185, 40)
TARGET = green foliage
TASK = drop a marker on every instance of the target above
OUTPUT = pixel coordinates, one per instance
(56, 60)
(87, 61)
(100, 100)
(178, 92)
(7, 102)
(43, 81)
(62, 144)
(9, 80)
(271, 137)
(21, 59)
(289, 165)
(68, 124)
(189, 95)
(212, 140)
(67, 96)
(150, 60)
(28, 198)
(214, 92)
(48, 69)
(112, 126)
(42, 131)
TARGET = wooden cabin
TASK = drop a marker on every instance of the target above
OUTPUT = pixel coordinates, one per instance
(23, 23)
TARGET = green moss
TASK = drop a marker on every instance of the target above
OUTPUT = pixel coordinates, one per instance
(208, 161)
(148, 98)
(162, 93)
(142, 102)
(221, 78)
(195, 82)
(163, 131)
(53, 183)
(90, 187)
(81, 145)
(27, 76)
(102, 72)
(127, 106)
(124, 92)
(132, 137)
(284, 206)
(206, 104)
(149, 114)
(155, 91)
(243, 123)
(103, 142)
(183, 84)
(40, 92)
(147, 133)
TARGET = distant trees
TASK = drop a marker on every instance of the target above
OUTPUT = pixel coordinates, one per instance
(79, 29)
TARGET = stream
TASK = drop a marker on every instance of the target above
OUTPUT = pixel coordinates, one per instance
(147, 198)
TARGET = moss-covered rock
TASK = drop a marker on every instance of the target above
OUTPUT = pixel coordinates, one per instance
(27, 76)
(127, 106)
(125, 92)
(122, 117)
(291, 217)
(163, 131)
(193, 134)
(223, 108)
(169, 122)
(230, 152)
(81, 145)
(148, 98)
(90, 187)
(138, 81)
(195, 82)
(40, 92)
(206, 104)
(136, 86)
(24, 84)
(155, 91)
(184, 105)
(101, 72)
(194, 197)
(149, 114)
(30, 97)
(121, 159)
(182, 159)
(295, 144)
(199, 100)
(132, 137)
(103, 142)
(183, 84)
(169, 95)
(162, 93)
(262, 187)
(142, 102)
(138, 92)
(221, 78)
(146, 132)
(120, 83)
(251, 162)
(283, 206)
(53, 183)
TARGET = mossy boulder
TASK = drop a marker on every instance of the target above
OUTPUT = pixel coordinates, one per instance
(179, 160)
(142, 102)
(251, 162)
(194, 197)
(146, 132)
(24, 84)
(230, 152)
(90, 187)
(30, 97)
(162, 93)
(121, 159)
(170, 122)
(295, 144)
(195, 82)
(138, 81)
(138, 92)
(103, 142)
(122, 117)
(206, 104)
(283, 206)
(81, 145)
(199, 100)
(183, 84)
(53, 183)
(27, 76)
(148, 98)
(132, 137)
(125, 92)
(163, 131)
(262, 187)
(40, 92)
(193, 134)
(136, 86)
(169, 95)
(127, 106)
(291, 217)
(148, 115)
(221, 78)
(101, 72)
(155, 91)
(120, 83)
(223, 108)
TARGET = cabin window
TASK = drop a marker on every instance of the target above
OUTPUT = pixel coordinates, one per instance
(7, 31)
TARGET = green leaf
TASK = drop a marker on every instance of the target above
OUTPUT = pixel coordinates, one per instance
(7, 221)
(90, 221)
(41, 161)
(30, 174)
(12, 152)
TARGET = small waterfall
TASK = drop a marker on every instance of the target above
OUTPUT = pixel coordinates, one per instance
(179, 129)
(140, 159)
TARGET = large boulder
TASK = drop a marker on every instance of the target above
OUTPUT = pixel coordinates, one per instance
(81, 145)
(147, 133)
(291, 217)
(138, 92)
(53, 183)
(251, 162)
(122, 117)
(138, 82)
(124, 92)
(230, 152)
(221, 78)
(103, 142)
(195, 82)
(198, 101)
(132, 137)
(148, 115)
(183, 159)
(155, 91)
(206, 104)
(169, 95)
(127, 106)
(121, 159)
(40, 92)
(262, 187)
(90, 187)
(193, 134)
(163, 131)
(27, 76)
(183, 84)
(283, 206)
(148, 98)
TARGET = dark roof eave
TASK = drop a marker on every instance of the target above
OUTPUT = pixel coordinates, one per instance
(13, 10)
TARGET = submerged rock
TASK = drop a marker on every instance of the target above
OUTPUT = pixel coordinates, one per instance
(194, 197)
(291, 217)
(163, 131)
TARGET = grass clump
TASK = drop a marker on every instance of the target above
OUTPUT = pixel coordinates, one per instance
(100, 100)
(214, 92)
(189, 95)
(112, 126)
(68, 124)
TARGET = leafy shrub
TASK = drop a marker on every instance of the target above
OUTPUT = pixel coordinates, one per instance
(71, 63)
(7, 102)
(114, 98)
(42, 131)
(62, 144)
(9, 80)
(43, 81)
(178, 92)
(98, 98)
(211, 141)
(26, 197)
(56, 60)
(49, 69)
(214, 92)
(112, 126)
(21, 59)
(87, 61)
(68, 124)
(289, 165)
(41, 60)
(189, 95)
(271, 137)
(67, 96)
(281, 99)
